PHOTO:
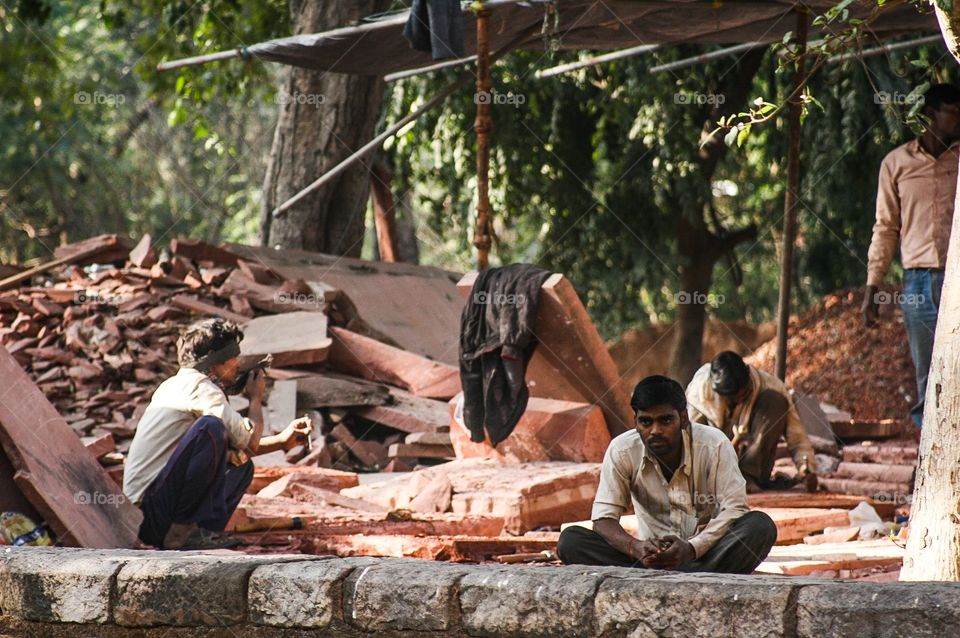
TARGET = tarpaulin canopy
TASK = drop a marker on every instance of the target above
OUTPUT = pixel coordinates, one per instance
(378, 47)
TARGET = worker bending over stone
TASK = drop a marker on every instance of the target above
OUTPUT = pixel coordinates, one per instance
(755, 410)
(686, 490)
(189, 462)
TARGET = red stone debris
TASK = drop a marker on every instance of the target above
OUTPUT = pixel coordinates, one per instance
(96, 329)
(832, 356)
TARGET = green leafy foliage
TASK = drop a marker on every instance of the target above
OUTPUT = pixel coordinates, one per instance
(86, 144)
(590, 173)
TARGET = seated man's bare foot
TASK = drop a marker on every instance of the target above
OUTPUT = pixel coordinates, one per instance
(177, 535)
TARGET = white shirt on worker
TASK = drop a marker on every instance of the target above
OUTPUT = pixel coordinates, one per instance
(176, 404)
(700, 502)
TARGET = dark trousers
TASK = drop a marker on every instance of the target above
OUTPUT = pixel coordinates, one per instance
(739, 551)
(768, 423)
(197, 485)
(920, 303)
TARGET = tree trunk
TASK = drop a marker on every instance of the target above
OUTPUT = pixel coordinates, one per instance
(696, 273)
(324, 117)
(933, 547)
(698, 248)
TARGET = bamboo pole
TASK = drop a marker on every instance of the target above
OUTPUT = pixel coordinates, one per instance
(886, 48)
(385, 212)
(483, 125)
(705, 57)
(791, 197)
(239, 52)
(370, 146)
(399, 75)
(595, 60)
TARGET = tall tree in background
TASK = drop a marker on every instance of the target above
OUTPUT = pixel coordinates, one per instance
(933, 548)
(324, 118)
(702, 240)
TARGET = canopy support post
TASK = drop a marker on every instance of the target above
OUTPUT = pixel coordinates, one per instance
(483, 125)
(791, 196)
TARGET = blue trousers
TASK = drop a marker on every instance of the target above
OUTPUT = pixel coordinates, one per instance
(920, 303)
(197, 485)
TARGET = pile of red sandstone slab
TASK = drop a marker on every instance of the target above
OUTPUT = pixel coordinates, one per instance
(368, 349)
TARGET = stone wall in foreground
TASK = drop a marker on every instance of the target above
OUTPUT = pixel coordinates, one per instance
(47, 592)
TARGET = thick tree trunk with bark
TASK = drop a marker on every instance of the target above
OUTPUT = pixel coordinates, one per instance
(699, 248)
(324, 117)
(933, 547)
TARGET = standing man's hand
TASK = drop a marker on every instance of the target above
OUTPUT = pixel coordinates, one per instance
(673, 552)
(810, 481)
(870, 310)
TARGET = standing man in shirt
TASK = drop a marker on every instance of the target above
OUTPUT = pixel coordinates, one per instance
(189, 462)
(686, 491)
(754, 410)
(915, 194)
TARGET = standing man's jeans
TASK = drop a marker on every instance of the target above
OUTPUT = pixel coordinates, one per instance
(920, 303)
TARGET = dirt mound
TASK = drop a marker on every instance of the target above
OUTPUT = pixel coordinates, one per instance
(640, 352)
(831, 355)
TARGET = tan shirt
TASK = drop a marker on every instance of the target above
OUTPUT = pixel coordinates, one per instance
(914, 208)
(701, 501)
(704, 405)
(176, 404)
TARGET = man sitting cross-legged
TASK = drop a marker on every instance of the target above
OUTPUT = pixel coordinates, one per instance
(189, 462)
(687, 492)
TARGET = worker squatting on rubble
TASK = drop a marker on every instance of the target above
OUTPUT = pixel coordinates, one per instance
(754, 409)
(687, 492)
(189, 462)
(915, 193)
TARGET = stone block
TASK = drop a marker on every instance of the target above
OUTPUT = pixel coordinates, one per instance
(187, 589)
(302, 594)
(879, 610)
(59, 585)
(650, 604)
(528, 601)
(404, 595)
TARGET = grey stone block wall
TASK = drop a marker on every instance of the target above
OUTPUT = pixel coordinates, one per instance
(71, 592)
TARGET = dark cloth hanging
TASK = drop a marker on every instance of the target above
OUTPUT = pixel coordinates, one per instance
(497, 339)
(436, 26)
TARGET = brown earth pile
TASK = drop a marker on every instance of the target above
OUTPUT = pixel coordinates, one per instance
(831, 355)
